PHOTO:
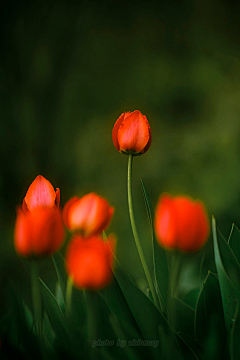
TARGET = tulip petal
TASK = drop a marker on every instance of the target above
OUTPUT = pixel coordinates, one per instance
(116, 128)
(88, 262)
(98, 216)
(47, 231)
(150, 138)
(40, 193)
(57, 199)
(24, 207)
(133, 133)
(111, 211)
(79, 212)
(90, 214)
(66, 208)
(181, 223)
(165, 222)
(22, 233)
(186, 223)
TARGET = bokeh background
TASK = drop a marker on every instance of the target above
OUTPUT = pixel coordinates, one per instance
(68, 69)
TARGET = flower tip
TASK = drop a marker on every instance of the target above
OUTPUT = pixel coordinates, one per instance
(41, 194)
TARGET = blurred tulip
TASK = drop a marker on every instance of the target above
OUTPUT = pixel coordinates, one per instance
(39, 232)
(89, 261)
(41, 194)
(181, 223)
(131, 133)
(89, 215)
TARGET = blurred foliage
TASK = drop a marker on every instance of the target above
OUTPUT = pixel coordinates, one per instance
(68, 69)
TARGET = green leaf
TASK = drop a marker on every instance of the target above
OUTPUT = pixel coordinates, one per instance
(48, 332)
(99, 327)
(58, 321)
(123, 321)
(125, 334)
(235, 335)
(210, 329)
(191, 297)
(59, 297)
(60, 267)
(234, 242)
(161, 271)
(78, 312)
(152, 324)
(118, 305)
(229, 280)
(181, 317)
(36, 296)
(22, 328)
(188, 347)
(69, 342)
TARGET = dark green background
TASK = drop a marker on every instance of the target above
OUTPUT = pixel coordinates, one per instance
(68, 69)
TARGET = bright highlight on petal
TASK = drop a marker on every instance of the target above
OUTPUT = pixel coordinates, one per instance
(88, 215)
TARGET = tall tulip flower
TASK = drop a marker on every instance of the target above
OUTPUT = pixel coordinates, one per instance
(41, 194)
(181, 223)
(89, 261)
(132, 136)
(39, 228)
(39, 232)
(89, 215)
(131, 133)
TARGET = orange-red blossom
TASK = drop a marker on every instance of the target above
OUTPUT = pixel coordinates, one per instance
(181, 223)
(89, 215)
(38, 233)
(39, 228)
(131, 133)
(89, 261)
(41, 194)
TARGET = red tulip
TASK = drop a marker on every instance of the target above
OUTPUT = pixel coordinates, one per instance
(41, 194)
(89, 261)
(39, 232)
(89, 215)
(131, 133)
(181, 223)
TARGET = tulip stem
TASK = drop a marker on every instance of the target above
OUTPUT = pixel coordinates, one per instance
(36, 297)
(135, 234)
(69, 295)
(175, 267)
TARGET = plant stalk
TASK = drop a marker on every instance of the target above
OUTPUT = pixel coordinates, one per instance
(135, 234)
(69, 295)
(36, 297)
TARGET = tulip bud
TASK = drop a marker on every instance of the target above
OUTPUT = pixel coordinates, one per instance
(131, 133)
(89, 215)
(89, 261)
(181, 223)
(41, 194)
(39, 232)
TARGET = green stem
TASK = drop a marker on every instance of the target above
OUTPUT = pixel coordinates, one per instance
(69, 295)
(135, 234)
(175, 267)
(36, 297)
(91, 300)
